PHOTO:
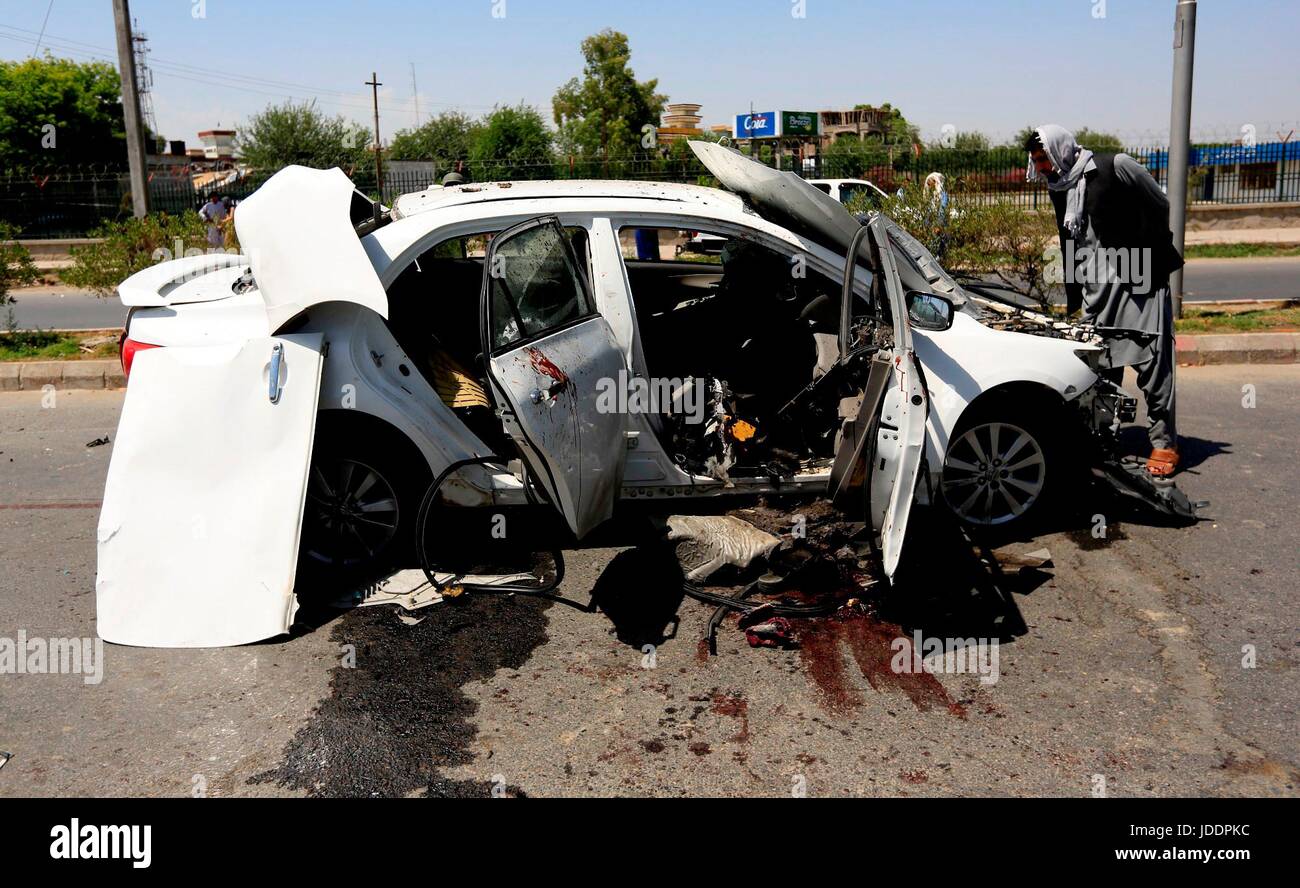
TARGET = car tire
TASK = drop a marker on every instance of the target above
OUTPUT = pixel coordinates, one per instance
(1004, 466)
(364, 488)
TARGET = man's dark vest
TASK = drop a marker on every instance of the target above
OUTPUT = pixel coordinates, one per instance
(1123, 217)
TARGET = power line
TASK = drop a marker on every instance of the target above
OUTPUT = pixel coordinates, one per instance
(208, 80)
(68, 45)
(415, 96)
(44, 22)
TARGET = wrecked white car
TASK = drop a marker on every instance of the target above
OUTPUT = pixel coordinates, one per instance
(288, 408)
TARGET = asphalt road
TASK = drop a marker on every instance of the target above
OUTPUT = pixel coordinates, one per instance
(1205, 280)
(62, 308)
(1120, 666)
(1214, 280)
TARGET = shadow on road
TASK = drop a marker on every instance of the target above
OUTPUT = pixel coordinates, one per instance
(640, 591)
(1133, 439)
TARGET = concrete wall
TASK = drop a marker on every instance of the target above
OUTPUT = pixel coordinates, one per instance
(1207, 217)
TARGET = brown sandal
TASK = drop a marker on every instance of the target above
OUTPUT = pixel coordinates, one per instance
(1163, 462)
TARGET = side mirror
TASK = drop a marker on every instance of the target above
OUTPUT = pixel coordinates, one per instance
(929, 311)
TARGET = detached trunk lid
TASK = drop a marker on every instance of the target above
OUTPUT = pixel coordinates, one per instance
(298, 233)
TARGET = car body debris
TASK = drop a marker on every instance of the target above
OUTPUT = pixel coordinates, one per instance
(817, 565)
(1035, 560)
(709, 542)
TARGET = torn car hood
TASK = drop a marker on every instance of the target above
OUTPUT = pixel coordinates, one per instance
(780, 197)
(297, 233)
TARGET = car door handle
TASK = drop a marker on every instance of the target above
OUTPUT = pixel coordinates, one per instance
(273, 378)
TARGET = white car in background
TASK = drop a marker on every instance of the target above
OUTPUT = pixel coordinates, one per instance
(290, 406)
(845, 190)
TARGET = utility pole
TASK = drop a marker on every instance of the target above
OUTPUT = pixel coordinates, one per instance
(1180, 134)
(374, 85)
(136, 157)
(415, 96)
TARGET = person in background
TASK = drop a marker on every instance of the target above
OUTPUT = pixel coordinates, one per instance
(934, 183)
(938, 212)
(1113, 222)
(214, 212)
(228, 238)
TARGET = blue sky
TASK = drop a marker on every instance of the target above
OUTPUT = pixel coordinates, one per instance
(991, 65)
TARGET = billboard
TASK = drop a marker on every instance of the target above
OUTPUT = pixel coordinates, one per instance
(776, 124)
(759, 125)
(799, 123)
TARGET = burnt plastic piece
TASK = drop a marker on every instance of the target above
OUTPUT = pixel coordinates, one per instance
(1130, 478)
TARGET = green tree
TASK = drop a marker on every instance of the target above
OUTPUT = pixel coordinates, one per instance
(898, 132)
(447, 137)
(851, 158)
(995, 239)
(1020, 138)
(606, 111)
(1095, 141)
(972, 141)
(302, 134)
(120, 249)
(57, 111)
(16, 270)
(1098, 141)
(514, 143)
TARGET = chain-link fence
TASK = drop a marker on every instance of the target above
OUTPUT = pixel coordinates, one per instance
(72, 203)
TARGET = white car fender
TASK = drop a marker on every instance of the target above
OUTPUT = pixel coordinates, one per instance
(969, 359)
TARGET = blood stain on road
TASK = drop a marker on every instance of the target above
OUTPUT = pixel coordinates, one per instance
(871, 643)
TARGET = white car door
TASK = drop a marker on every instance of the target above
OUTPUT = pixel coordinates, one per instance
(548, 355)
(900, 440)
(198, 535)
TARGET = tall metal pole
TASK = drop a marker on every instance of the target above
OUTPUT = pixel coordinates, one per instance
(415, 96)
(1180, 133)
(136, 157)
(374, 85)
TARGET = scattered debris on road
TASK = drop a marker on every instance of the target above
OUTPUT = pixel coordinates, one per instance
(708, 542)
(817, 562)
(98, 442)
(1035, 560)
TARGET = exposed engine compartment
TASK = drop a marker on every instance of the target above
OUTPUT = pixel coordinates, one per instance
(744, 435)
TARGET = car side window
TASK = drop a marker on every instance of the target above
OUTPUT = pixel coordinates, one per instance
(536, 285)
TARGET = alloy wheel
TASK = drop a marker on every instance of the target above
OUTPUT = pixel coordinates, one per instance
(994, 473)
(353, 511)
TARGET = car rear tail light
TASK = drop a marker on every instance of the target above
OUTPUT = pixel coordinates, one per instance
(128, 349)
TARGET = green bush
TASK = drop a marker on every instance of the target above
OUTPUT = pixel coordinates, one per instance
(16, 269)
(133, 245)
(984, 235)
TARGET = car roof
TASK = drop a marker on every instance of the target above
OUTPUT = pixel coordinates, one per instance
(550, 189)
(420, 213)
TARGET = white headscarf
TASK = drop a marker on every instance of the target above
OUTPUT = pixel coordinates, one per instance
(1070, 162)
